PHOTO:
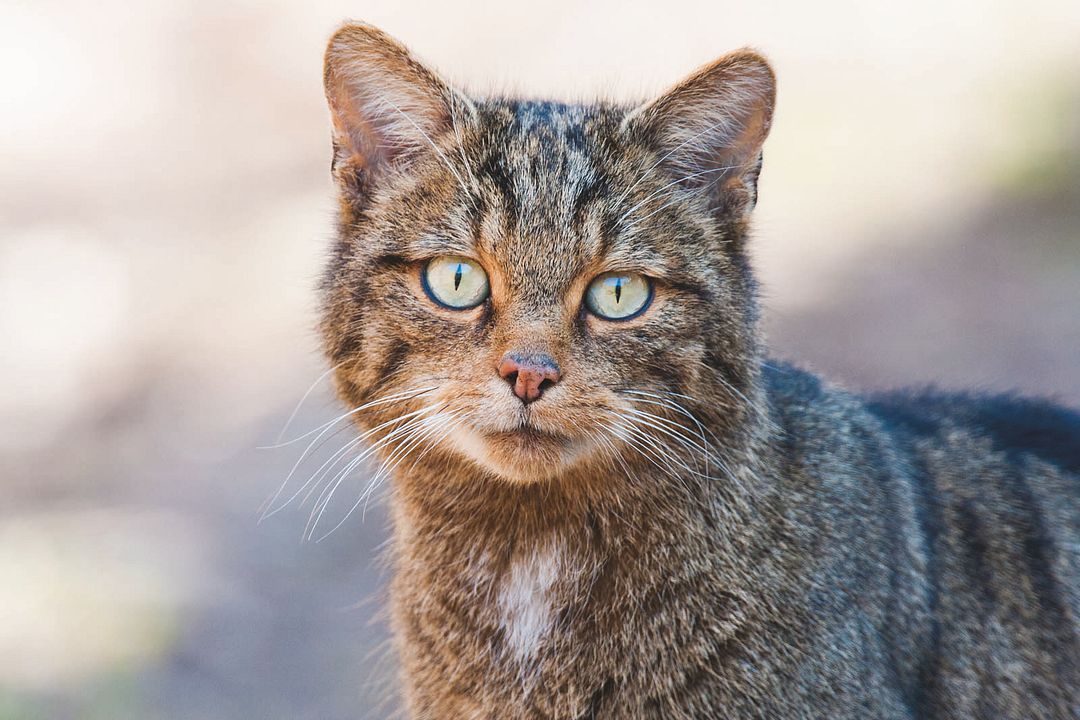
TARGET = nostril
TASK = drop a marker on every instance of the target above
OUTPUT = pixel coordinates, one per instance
(508, 370)
(528, 376)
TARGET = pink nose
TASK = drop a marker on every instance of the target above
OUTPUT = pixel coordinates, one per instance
(529, 375)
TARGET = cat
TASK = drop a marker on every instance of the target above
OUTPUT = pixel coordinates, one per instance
(607, 502)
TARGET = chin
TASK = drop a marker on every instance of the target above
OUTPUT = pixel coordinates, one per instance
(525, 455)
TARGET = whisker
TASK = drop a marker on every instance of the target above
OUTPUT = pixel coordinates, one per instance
(446, 425)
(678, 198)
(311, 388)
(611, 449)
(461, 150)
(327, 494)
(385, 468)
(450, 427)
(316, 478)
(662, 449)
(406, 395)
(663, 399)
(668, 154)
(642, 443)
(691, 445)
(656, 192)
(351, 464)
(431, 142)
(663, 424)
(658, 449)
(672, 405)
(429, 427)
(325, 428)
(339, 455)
(657, 454)
(723, 381)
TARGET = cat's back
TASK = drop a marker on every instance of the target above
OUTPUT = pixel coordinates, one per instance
(997, 486)
(975, 497)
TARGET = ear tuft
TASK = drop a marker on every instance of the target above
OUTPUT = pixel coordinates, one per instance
(710, 127)
(387, 107)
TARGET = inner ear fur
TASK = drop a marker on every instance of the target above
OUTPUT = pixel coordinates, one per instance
(709, 128)
(387, 107)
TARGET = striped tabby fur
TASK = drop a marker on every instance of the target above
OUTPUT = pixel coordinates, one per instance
(678, 528)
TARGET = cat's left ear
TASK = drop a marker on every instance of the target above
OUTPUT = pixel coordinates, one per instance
(709, 128)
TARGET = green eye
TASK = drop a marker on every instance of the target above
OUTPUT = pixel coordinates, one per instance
(455, 282)
(618, 295)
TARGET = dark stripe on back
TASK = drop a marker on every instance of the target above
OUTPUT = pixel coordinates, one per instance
(1040, 551)
(920, 696)
(1014, 425)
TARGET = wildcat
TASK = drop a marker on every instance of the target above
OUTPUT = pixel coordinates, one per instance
(607, 503)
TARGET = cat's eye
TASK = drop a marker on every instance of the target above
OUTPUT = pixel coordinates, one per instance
(455, 282)
(618, 295)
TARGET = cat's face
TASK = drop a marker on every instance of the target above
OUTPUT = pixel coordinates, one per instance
(523, 284)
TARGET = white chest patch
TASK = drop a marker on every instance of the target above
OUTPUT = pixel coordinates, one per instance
(526, 601)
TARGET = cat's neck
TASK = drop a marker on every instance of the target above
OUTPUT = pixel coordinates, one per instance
(721, 474)
(511, 560)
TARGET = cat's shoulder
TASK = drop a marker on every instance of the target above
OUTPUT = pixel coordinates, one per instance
(1010, 426)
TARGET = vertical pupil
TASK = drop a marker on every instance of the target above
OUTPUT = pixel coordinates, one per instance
(618, 289)
(457, 276)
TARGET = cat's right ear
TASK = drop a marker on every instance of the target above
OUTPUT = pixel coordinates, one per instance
(387, 107)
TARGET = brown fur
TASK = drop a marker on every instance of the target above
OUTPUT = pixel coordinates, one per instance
(763, 546)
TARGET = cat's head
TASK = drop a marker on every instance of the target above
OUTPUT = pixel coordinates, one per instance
(528, 285)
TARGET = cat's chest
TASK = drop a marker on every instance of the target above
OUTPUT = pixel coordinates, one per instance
(527, 598)
(551, 629)
(518, 613)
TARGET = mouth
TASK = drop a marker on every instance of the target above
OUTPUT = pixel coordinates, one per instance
(527, 435)
(525, 453)
(528, 445)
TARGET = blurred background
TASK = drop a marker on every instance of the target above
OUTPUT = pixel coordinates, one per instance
(165, 205)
